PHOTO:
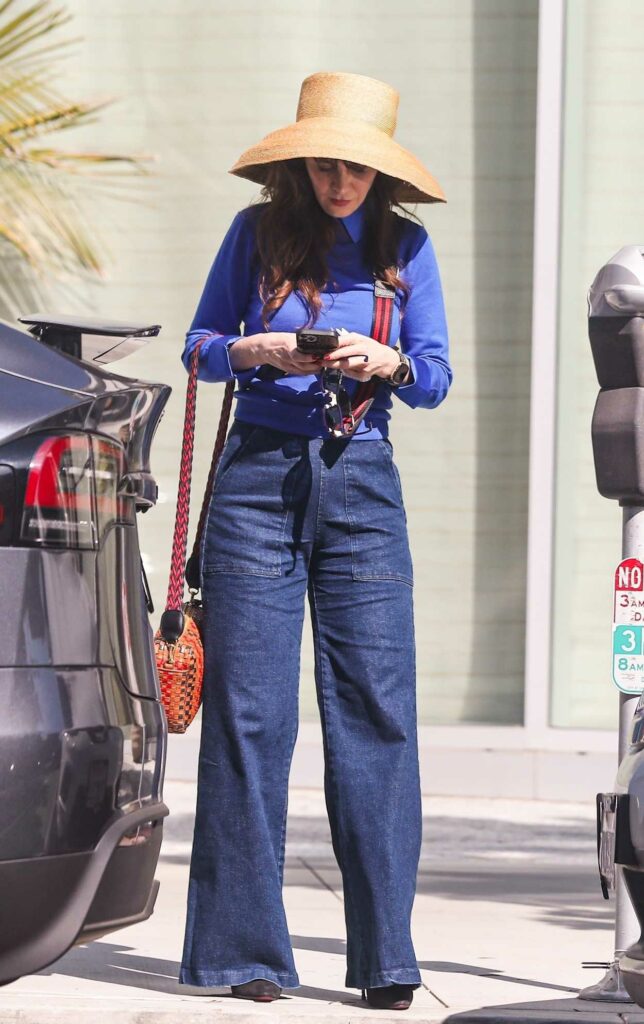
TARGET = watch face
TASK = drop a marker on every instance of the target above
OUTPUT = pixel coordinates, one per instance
(400, 372)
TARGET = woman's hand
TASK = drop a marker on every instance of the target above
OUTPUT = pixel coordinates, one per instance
(274, 348)
(362, 358)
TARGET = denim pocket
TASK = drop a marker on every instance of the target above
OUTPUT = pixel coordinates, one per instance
(247, 516)
(386, 446)
(376, 514)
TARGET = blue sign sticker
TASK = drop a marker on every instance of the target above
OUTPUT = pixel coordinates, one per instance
(628, 658)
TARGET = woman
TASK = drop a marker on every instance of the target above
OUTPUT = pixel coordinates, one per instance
(307, 499)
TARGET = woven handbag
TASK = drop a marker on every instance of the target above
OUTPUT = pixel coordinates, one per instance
(178, 644)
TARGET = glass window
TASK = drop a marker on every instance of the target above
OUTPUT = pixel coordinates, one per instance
(602, 210)
(468, 107)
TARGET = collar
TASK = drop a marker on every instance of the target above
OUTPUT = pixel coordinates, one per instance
(354, 224)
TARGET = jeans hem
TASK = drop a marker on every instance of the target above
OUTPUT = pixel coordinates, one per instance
(218, 979)
(399, 976)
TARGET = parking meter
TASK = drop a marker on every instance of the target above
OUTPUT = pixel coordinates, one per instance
(616, 331)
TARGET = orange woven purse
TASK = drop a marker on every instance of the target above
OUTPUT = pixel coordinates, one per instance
(178, 646)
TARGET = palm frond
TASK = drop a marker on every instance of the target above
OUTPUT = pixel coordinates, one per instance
(43, 220)
(41, 122)
(29, 25)
(89, 163)
(43, 226)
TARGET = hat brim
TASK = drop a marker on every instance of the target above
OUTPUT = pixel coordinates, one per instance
(337, 139)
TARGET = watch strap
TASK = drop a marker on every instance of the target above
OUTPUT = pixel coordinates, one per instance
(392, 380)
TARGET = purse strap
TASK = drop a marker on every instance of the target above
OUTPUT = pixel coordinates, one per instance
(383, 311)
(192, 565)
(172, 620)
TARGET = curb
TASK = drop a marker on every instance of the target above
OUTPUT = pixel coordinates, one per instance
(519, 1015)
(86, 1015)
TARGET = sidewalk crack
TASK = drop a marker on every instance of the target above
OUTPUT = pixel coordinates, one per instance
(321, 880)
(438, 998)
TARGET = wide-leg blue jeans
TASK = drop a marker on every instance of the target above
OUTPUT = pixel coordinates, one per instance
(288, 515)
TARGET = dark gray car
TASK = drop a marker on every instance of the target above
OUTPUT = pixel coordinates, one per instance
(82, 730)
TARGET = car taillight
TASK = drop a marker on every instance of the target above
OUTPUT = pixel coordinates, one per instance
(71, 493)
(109, 467)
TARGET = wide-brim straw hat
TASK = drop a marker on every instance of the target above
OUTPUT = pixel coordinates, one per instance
(342, 116)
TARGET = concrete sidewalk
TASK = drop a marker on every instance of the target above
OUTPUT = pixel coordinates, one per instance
(508, 907)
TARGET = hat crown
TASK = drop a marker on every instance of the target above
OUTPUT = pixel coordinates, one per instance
(350, 97)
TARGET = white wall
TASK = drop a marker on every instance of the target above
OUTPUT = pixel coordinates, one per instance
(197, 83)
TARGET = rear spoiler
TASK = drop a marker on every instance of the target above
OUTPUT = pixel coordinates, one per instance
(102, 341)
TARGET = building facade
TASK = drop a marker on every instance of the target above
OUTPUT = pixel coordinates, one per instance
(526, 112)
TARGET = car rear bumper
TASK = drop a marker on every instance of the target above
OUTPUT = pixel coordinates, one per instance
(49, 903)
(76, 752)
(614, 844)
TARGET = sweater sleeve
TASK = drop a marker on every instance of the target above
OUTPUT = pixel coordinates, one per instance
(222, 305)
(423, 331)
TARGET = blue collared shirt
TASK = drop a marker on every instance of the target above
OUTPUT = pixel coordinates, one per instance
(231, 307)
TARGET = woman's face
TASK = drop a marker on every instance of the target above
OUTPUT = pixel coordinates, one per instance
(340, 187)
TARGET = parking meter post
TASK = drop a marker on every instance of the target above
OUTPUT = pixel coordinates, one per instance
(611, 987)
(627, 929)
(616, 330)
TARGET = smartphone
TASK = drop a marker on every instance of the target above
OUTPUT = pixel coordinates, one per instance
(316, 341)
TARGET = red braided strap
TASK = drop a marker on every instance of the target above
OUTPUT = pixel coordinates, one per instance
(220, 441)
(180, 537)
(174, 599)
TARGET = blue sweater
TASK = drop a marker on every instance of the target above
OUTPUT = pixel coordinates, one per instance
(294, 403)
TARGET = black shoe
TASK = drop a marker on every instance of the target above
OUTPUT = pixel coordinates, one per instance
(389, 997)
(260, 990)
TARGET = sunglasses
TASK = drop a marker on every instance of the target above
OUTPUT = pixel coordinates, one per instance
(340, 418)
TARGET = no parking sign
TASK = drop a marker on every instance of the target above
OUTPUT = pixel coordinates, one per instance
(628, 626)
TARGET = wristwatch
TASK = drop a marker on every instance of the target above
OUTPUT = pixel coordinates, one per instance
(401, 372)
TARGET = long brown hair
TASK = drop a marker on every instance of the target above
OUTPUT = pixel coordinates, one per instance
(294, 234)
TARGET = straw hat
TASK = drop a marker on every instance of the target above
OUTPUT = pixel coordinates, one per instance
(345, 117)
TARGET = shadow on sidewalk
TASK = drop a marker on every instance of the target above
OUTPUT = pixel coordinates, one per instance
(566, 897)
(551, 1011)
(319, 945)
(115, 964)
(445, 967)
(565, 843)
